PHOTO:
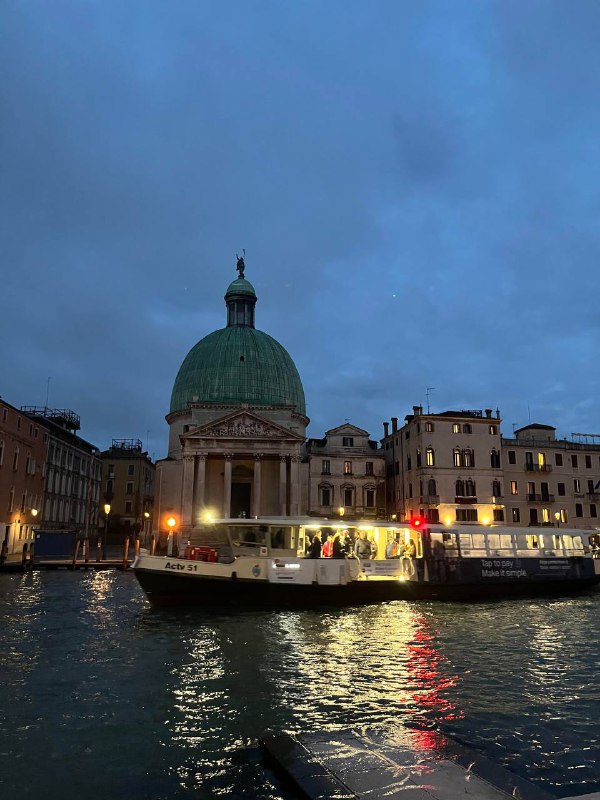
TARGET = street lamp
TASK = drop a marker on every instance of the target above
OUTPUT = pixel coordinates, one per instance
(557, 518)
(171, 522)
(106, 513)
(341, 511)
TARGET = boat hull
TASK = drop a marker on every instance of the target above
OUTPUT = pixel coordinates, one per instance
(173, 589)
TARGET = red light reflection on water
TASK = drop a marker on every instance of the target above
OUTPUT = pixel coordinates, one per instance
(429, 678)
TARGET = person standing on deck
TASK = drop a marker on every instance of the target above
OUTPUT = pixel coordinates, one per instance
(327, 551)
(338, 546)
(363, 546)
(315, 546)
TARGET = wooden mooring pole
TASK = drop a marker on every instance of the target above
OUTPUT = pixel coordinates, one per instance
(126, 552)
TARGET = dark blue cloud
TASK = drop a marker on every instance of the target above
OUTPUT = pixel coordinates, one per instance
(415, 186)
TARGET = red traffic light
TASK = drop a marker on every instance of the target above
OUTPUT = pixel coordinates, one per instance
(417, 522)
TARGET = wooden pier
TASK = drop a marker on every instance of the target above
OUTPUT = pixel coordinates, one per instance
(411, 765)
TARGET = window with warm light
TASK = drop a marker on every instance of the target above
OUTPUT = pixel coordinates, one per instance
(457, 458)
(455, 427)
(430, 457)
(429, 427)
(347, 468)
(514, 487)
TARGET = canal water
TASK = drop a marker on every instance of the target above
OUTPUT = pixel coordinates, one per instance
(102, 696)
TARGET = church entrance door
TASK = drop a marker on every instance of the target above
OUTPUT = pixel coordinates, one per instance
(240, 499)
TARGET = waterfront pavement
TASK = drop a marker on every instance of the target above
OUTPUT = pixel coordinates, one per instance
(413, 765)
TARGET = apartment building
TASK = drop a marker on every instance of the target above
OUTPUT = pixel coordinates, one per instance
(346, 475)
(72, 481)
(444, 467)
(550, 481)
(23, 452)
(127, 489)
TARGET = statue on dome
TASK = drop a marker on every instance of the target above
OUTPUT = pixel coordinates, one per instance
(240, 266)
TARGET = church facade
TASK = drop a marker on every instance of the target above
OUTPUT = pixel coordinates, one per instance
(237, 430)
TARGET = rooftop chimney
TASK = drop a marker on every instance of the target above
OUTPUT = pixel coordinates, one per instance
(394, 424)
(488, 413)
(386, 426)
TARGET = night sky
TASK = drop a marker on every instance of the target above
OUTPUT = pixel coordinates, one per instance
(416, 185)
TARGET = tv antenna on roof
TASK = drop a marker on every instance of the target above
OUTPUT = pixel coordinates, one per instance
(427, 393)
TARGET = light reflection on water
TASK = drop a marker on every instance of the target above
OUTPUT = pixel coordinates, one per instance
(170, 704)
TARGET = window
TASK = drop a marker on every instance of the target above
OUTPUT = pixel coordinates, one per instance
(432, 515)
(109, 487)
(347, 468)
(111, 470)
(564, 517)
(573, 461)
(369, 468)
(512, 457)
(410, 490)
(397, 467)
(370, 498)
(558, 459)
(578, 509)
(18, 423)
(429, 427)
(348, 441)
(545, 515)
(466, 515)
(468, 458)
(541, 460)
(467, 428)
(492, 430)
(11, 495)
(326, 469)
(4, 415)
(128, 507)
(129, 487)
(528, 460)
(430, 457)
(348, 497)
(531, 488)
(593, 510)
(495, 459)
(588, 462)
(576, 485)
(498, 515)
(590, 487)
(496, 489)
(457, 458)
(419, 459)
(408, 463)
(456, 428)
(516, 515)
(325, 496)
(470, 490)
(460, 488)
(431, 487)
(28, 464)
(16, 459)
(130, 469)
(35, 433)
(560, 488)
(1, 453)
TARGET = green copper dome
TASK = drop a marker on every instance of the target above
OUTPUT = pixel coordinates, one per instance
(238, 364)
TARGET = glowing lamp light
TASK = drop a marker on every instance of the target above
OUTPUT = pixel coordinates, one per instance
(107, 509)
(171, 522)
(485, 521)
(147, 514)
(207, 516)
(34, 512)
(341, 511)
(417, 522)
(448, 521)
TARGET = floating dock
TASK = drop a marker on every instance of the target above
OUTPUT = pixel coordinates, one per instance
(411, 765)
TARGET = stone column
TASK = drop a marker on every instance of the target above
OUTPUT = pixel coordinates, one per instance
(187, 490)
(227, 487)
(295, 486)
(200, 485)
(282, 485)
(256, 488)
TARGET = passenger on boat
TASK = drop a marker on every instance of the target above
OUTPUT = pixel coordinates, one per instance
(315, 546)
(373, 546)
(363, 546)
(338, 546)
(392, 549)
(327, 550)
(411, 550)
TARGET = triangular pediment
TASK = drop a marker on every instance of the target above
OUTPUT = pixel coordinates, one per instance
(243, 425)
(351, 430)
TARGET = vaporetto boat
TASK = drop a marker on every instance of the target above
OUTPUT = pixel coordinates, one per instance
(248, 562)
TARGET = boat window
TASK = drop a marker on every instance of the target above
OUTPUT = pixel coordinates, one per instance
(532, 541)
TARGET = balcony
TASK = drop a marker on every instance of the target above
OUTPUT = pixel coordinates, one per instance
(538, 467)
(540, 498)
(465, 500)
(593, 496)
